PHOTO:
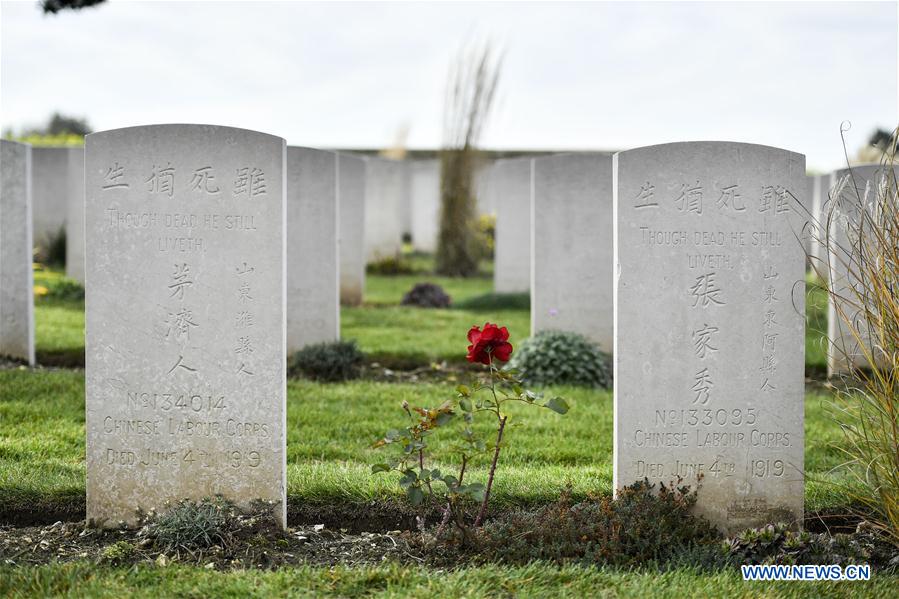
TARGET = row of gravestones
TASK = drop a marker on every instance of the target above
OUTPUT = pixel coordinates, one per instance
(189, 268)
(555, 236)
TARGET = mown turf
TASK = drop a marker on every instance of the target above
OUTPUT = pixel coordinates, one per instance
(329, 432)
(391, 580)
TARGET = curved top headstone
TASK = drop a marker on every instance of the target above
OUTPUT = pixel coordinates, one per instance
(185, 318)
(709, 326)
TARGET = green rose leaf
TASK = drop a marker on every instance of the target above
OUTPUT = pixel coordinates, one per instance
(557, 405)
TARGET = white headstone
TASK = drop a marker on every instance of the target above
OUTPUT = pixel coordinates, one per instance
(709, 327)
(185, 318)
(313, 296)
(386, 190)
(483, 188)
(853, 191)
(511, 188)
(16, 275)
(75, 216)
(425, 199)
(50, 190)
(351, 187)
(819, 225)
(571, 242)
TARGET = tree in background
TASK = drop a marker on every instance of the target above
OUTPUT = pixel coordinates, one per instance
(60, 130)
(470, 92)
(881, 143)
(52, 7)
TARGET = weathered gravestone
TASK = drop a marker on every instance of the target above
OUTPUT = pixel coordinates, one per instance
(854, 192)
(819, 224)
(185, 318)
(16, 278)
(386, 197)
(571, 288)
(351, 191)
(424, 196)
(709, 326)
(511, 188)
(75, 216)
(313, 297)
(50, 188)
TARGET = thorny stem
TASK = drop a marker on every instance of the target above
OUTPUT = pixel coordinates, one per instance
(447, 512)
(421, 467)
(499, 437)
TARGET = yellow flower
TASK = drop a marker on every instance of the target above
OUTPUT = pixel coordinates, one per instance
(41, 290)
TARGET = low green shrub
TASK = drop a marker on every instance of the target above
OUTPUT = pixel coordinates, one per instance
(117, 553)
(562, 358)
(639, 526)
(426, 295)
(327, 362)
(193, 525)
(777, 544)
(391, 265)
(496, 301)
(64, 289)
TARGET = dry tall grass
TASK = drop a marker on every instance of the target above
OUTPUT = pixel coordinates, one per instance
(861, 234)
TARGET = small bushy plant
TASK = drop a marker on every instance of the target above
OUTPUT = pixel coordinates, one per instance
(64, 289)
(777, 544)
(426, 295)
(390, 266)
(327, 362)
(639, 526)
(117, 553)
(562, 358)
(193, 525)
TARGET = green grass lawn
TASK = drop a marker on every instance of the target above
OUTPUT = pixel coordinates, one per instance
(329, 432)
(391, 580)
(330, 429)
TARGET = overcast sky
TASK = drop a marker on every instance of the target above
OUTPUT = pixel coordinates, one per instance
(576, 76)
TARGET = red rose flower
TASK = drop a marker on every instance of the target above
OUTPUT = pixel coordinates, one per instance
(493, 342)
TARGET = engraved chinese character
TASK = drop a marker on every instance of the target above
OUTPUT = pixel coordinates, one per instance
(244, 319)
(768, 363)
(180, 324)
(180, 364)
(113, 177)
(180, 280)
(203, 180)
(690, 198)
(644, 199)
(770, 272)
(769, 319)
(245, 269)
(770, 294)
(731, 199)
(243, 294)
(242, 369)
(244, 346)
(774, 199)
(161, 180)
(768, 340)
(705, 291)
(767, 386)
(250, 181)
(702, 386)
(702, 340)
